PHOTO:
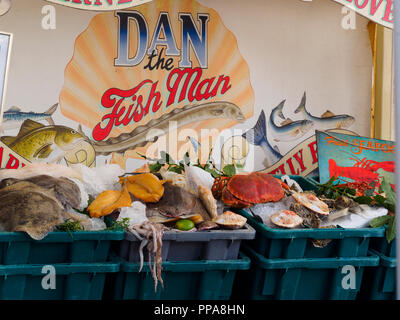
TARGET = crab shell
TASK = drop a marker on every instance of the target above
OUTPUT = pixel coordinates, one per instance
(245, 190)
(286, 219)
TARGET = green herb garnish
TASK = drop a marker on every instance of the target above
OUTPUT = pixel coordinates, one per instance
(119, 225)
(70, 225)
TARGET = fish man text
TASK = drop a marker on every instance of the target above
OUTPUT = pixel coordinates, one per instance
(132, 106)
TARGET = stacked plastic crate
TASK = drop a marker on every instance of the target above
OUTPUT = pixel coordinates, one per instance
(286, 265)
(62, 266)
(196, 265)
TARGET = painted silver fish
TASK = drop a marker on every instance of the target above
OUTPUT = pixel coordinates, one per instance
(291, 130)
(142, 135)
(196, 144)
(328, 121)
(258, 137)
(14, 117)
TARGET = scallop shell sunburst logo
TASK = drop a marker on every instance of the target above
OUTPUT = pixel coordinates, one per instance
(140, 69)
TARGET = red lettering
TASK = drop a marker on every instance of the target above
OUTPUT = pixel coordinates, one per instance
(225, 87)
(313, 149)
(291, 167)
(374, 6)
(1, 156)
(300, 160)
(13, 162)
(192, 78)
(188, 72)
(356, 2)
(388, 11)
(109, 100)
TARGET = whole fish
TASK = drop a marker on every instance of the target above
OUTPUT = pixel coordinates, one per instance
(14, 117)
(291, 130)
(258, 137)
(36, 142)
(142, 135)
(326, 122)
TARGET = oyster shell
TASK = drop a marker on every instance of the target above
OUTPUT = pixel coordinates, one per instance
(207, 225)
(310, 218)
(286, 219)
(310, 201)
(231, 220)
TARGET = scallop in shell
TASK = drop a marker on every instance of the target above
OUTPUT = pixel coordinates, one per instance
(286, 219)
(310, 201)
(92, 71)
(231, 220)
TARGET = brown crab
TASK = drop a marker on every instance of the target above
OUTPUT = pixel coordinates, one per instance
(245, 190)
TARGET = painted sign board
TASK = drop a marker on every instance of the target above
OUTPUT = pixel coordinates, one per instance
(355, 159)
(172, 75)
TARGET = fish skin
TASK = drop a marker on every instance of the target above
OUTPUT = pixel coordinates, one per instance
(13, 117)
(337, 121)
(55, 139)
(258, 137)
(139, 137)
(290, 131)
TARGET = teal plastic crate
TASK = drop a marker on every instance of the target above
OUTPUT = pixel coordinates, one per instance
(76, 281)
(299, 279)
(57, 247)
(380, 282)
(296, 243)
(384, 247)
(378, 244)
(186, 280)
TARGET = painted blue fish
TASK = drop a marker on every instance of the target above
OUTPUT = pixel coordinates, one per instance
(328, 120)
(290, 130)
(258, 137)
(14, 117)
(196, 144)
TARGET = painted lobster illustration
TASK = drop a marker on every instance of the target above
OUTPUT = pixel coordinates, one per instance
(363, 171)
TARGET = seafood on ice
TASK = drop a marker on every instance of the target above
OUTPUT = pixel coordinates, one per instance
(245, 190)
(231, 220)
(286, 219)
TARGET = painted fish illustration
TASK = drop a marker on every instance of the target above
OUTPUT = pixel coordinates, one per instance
(142, 135)
(328, 119)
(14, 117)
(196, 144)
(258, 137)
(36, 142)
(289, 130)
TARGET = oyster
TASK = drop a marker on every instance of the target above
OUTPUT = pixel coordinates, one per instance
(310, 201)
(310, 218)
(286, 219)
(231, 220)
(207, 225)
